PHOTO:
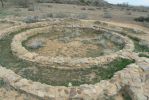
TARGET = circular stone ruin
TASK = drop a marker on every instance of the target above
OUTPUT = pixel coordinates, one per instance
(62, 59)
(71, 42)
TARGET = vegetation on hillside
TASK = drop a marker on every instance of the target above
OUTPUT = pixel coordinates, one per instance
(142, 19)
(27, 3)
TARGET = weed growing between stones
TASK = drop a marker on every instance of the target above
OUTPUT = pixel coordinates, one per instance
(4, 13)
(143, 55)
(77, 77)
(138, 47)
(124, 92)
(2, 83)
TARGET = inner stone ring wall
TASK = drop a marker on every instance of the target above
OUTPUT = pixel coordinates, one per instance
(21, 52)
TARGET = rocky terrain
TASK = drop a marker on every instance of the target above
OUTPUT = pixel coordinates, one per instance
(133, 79)
(71, 56)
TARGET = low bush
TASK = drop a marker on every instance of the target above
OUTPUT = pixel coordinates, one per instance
(1, 83)
(142, 19)
(81, 16)
(107, 15)
(50, 6)
(91, 9)
(22, 3)
(83, 8)
(97, 22)
(31, 8)
(36, 44)
(43, 1)
(143, 55)
(60, 15)
(49, 15)
(128, 13)
(31, 19)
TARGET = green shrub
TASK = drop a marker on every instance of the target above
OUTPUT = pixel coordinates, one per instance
(91, 9)
(107, 15)
(82, 1)
(83, 8)
(22, 3)
(4, 13)
(31, 8)
(143, 55)
(31, 19)
(142, 19)
(50, 15)
(60, 15)
(81, 16)
(1, 83)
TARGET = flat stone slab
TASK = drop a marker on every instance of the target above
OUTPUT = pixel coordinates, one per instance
(145, 67)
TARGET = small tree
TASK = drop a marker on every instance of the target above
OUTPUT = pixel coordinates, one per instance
(82, 1)
(2, 2)
(21, 3)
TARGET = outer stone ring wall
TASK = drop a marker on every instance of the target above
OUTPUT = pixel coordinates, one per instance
(105, 88)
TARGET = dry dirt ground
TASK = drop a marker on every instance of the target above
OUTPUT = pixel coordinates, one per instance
(134, 26)
(4, 25)
(86, 44)
(119, 14)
